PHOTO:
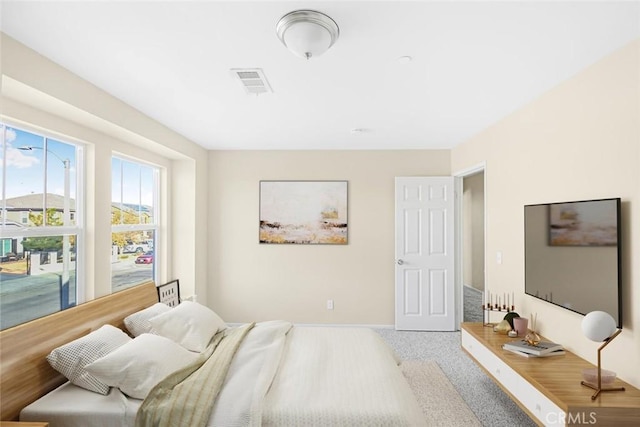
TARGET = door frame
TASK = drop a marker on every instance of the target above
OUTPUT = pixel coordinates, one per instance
(459, 258)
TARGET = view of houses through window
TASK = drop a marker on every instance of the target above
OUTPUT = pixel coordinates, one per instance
(134, 189)
(40, 226)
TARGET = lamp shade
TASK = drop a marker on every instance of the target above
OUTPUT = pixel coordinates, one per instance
(598, 326)
(307, 33)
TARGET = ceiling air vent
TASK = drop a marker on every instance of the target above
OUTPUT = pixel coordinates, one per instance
(253, 80)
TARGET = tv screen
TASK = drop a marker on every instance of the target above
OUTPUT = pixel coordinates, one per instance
(573, 255)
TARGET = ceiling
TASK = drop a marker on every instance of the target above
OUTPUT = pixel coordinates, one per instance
(472, 64)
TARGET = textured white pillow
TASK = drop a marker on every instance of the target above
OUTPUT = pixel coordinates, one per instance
(136, 367)
(190, 324)
(72, 358)
(138, 322)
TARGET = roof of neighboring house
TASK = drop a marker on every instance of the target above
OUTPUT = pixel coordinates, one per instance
(56, 201)
(132, 207)
(34, 202)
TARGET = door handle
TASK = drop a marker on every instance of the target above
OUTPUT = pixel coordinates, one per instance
(400, 262)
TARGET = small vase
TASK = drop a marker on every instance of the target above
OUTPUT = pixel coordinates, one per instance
(532, 338)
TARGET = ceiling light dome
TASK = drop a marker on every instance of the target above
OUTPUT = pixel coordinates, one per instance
(307, 33)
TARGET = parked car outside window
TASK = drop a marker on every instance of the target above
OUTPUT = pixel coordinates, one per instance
(146, 258)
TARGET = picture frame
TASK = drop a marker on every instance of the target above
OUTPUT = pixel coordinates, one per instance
(303, 212)
(169, 293)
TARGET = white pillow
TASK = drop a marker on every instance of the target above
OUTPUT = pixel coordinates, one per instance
(136, 367)
(190, 324)
(138, 322)
(72, 358)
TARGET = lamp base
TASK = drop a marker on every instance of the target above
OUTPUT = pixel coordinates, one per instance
(600, 389)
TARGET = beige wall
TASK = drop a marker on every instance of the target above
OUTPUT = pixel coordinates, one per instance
(579, 141)
(249, 281)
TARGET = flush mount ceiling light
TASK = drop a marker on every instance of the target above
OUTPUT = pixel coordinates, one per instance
(307, 33)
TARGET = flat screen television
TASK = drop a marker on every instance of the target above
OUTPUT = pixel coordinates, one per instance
(572, 255)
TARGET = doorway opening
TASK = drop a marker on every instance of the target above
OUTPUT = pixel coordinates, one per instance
(471, 240)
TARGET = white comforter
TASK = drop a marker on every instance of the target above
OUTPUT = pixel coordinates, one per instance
(280, 376)
(285, 376)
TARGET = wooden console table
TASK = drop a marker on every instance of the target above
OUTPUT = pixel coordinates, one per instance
(548, 389)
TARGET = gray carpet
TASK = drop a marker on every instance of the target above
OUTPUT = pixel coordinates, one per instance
(487, 401)
(472, 304)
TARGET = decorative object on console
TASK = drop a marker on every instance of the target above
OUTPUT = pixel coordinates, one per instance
(510, 317)
(307, 33)
(523, 354)
(506, 304)
(303, 212)
(539, 349)
(502, 328)
(532, 336)
(520, 325)
(590, 375)
(600, 327)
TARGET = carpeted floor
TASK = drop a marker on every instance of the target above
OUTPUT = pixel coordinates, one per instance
(440, 402)
(487, 401)
(472, 304)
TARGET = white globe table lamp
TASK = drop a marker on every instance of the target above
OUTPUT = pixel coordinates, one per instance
(600, 327)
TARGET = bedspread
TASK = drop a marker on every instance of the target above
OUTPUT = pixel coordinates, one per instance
(296, 376)
(186, 397)
(339, 377)
(304, 376)
(279, 376)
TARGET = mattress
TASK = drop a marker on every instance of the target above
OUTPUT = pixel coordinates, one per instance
(72, 406)
(301, 376)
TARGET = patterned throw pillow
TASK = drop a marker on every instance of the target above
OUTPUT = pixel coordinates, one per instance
(138, 322)
(72, 358)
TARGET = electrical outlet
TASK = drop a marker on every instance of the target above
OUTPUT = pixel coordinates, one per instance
(329, 304)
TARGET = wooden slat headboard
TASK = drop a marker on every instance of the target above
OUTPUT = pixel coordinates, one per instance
(25, 374)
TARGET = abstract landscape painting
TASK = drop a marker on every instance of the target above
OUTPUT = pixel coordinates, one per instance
(303, 212)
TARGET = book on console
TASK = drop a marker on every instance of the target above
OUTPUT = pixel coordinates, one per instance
(523, 354)
(543, 347)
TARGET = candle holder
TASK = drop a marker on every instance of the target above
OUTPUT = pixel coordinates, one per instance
(488, 309)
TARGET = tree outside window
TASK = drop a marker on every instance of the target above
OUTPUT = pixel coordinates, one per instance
(133, 222)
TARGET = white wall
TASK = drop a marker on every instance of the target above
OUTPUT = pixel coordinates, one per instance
(249, 281)
(579, 141)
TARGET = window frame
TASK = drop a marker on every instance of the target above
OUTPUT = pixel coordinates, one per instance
(154, 226)
(78, 228)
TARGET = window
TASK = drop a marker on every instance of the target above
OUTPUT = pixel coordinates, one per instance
(134, 222)
(40, 225)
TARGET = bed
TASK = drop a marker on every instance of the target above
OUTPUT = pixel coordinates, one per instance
(277, 374)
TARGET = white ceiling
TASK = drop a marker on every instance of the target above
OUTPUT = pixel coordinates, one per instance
(473, 63)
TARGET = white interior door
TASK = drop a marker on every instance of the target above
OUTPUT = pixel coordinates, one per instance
(425, 258)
